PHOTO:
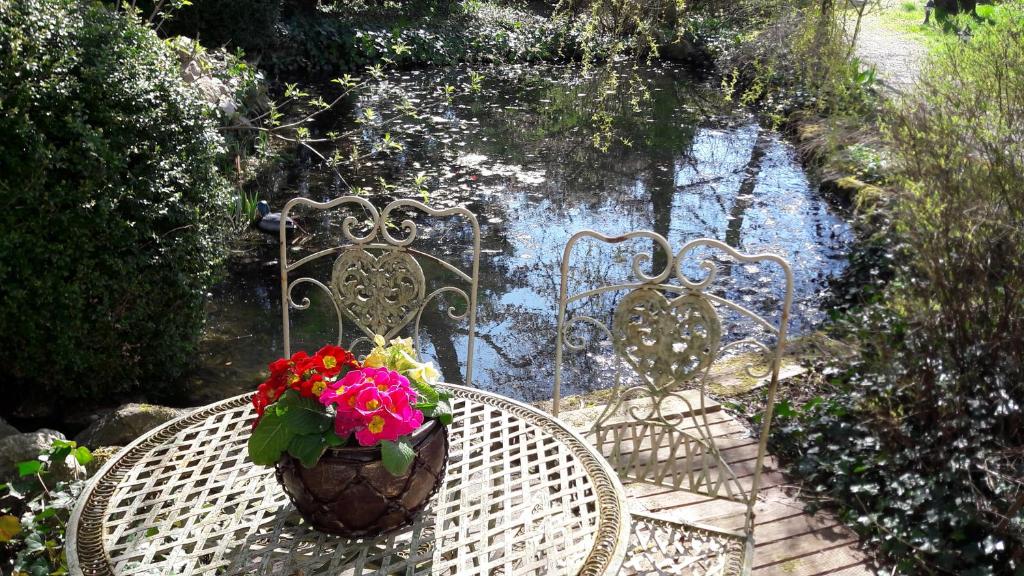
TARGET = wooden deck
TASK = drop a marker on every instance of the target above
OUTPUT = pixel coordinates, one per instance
(790, 541)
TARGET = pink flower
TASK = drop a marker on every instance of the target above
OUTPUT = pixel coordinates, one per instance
(375, 403)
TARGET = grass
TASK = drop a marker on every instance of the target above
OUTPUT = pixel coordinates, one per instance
(908, 18)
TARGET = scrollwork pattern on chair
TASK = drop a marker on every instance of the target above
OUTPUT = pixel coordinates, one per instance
(377, 281)
(380, 295)
(666, 341)
(666, 331)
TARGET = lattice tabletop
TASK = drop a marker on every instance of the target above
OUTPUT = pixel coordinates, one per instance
(522, 495)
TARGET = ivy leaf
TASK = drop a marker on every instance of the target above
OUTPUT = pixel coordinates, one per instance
(270, 439)
(39, 567)
(47, 513)
(29, 467)
(397, 456)
(83, 455)
(59, 449)
(784, 410)
(34, 542)
(10, 527)
(308, 448)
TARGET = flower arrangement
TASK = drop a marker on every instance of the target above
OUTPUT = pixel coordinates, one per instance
(312, 403)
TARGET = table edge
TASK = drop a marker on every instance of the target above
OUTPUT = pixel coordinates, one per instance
(609, 553)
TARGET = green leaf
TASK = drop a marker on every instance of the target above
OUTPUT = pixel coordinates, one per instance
(443, 412)
(397, 456)
(308, 448)
(270, 439)
(47, 513)
(334, 441)
(303, 415)
(83, 455)
(426, 392)
(784, 410)
(40, 567)
(287, 419)
(34, 542)
(29, 467)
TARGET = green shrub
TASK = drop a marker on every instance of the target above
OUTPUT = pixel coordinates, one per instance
(799, 61)
(110, 202)
(923, 446)
(340, 39)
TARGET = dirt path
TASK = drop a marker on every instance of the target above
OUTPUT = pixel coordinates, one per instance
(896, 56)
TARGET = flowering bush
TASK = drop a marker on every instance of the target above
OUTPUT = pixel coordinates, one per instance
(312, 403)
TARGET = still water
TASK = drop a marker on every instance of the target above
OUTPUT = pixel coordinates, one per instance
(516, 146)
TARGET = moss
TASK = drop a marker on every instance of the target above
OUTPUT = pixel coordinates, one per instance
(869, 199)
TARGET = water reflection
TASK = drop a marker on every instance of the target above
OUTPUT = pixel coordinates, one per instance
(520, 155)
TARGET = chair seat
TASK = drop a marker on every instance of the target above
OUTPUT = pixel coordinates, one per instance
(658, 546)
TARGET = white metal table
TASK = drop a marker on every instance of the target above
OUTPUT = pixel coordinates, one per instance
(522, 495)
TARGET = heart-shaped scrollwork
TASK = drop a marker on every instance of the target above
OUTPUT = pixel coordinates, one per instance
(666, 342)
(381, 295)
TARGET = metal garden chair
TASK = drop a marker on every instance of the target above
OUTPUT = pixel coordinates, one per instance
(383, 275)
(666, 332)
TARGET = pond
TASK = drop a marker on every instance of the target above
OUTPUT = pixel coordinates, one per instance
(517, 146)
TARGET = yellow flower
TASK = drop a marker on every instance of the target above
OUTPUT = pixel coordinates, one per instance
(379, 341)
(403, 344)
(376, 358)
(424, 372)
(401, 361)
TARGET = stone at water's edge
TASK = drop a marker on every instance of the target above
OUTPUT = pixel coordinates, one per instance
(28, 446)
(6, 429)
(122, 426)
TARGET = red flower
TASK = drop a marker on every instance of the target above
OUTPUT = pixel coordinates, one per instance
(308, 375)
(333, 360)
(313, 386)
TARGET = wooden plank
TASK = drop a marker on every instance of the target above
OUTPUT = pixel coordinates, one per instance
(865, 568)
(789, 540)
(819, 525)
(839, 559)
(802, 549)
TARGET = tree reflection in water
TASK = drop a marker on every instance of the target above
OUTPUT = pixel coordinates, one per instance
(520, 155)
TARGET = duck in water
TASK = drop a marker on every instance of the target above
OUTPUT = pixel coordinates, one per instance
(270, 222)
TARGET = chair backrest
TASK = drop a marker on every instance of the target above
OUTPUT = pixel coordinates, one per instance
(666, 331)
(376, 281)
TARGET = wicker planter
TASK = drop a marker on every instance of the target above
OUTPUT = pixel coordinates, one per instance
(349, 493)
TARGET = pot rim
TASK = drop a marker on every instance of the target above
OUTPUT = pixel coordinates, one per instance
(416, 437)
